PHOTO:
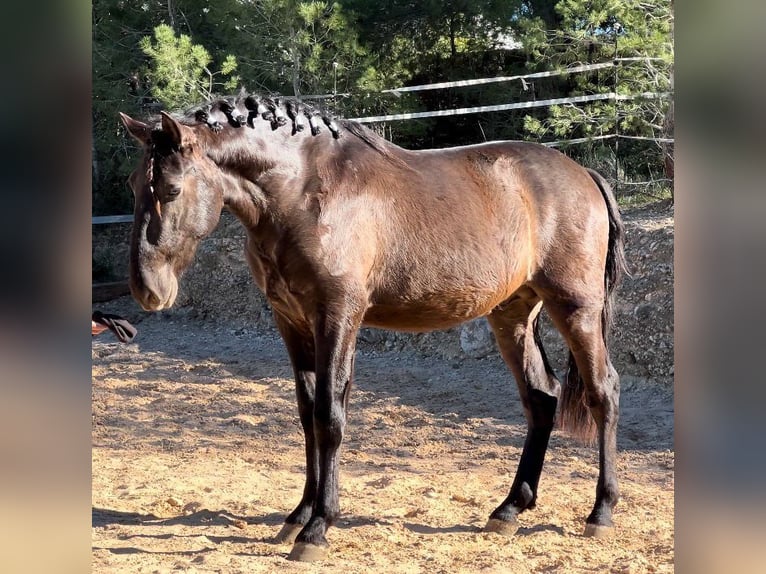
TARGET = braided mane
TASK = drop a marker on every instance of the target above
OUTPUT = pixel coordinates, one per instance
(245, 110)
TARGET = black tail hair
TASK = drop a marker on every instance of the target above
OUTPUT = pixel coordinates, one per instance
(574, 415)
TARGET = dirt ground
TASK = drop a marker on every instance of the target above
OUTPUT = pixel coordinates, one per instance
(198, 457)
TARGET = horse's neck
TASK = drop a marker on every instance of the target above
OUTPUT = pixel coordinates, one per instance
(268, 173)
(245, 200)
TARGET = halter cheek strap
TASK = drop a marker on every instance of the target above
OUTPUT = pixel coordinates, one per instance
(150, 178)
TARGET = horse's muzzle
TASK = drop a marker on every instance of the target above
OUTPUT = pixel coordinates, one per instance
(155, 292)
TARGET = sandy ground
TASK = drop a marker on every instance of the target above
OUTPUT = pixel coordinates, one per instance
(198, 457)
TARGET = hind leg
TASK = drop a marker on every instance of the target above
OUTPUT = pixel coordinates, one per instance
(582, 328)
(514, 325)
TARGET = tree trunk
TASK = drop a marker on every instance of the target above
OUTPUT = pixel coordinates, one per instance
(453, 49)
(296, 64)
(668, 149)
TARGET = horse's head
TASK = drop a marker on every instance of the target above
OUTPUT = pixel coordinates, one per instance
(178, 201)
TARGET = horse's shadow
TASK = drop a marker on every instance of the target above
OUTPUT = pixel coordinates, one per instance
(204, 518)
(465, 528)
(426, 529)
(102, 517)
(529, 530)
(135, 550)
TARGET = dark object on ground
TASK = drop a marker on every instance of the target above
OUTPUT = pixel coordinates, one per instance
(100, 322)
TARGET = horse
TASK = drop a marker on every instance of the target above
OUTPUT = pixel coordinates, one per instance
(346, 229)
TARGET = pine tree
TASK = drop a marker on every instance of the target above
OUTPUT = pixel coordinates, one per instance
(178, 71)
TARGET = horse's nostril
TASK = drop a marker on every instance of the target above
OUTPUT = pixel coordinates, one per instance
(152, 299)
(148, 299)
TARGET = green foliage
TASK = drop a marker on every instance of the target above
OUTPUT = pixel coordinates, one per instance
(117, 28)
(122, 82)
(294, 47)
(431, 41)
(178, 70)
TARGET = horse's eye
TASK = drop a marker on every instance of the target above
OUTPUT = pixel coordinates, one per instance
(173, 192)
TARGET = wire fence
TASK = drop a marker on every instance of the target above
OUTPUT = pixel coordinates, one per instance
(616, 172)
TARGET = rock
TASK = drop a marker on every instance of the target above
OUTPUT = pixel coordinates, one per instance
(643, 312)
(191, 507)
(476, 339)
(372, 336)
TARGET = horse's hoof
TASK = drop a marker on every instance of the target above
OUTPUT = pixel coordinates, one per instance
(288, 534)
(501, 527)
(305, 552)
(598, 531)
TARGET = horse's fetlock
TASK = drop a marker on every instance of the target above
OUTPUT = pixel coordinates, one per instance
(523, 497)
(314, 532)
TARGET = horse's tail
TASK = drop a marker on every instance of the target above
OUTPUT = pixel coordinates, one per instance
(574, 415)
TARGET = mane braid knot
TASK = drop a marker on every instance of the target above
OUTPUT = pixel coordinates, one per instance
(279, 115)
(313, 123)
(332, 126)
(235, 117)
(294, 113)
(203, 116)
(149, 173)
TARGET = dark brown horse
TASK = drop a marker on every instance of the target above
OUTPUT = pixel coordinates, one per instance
(346, 229)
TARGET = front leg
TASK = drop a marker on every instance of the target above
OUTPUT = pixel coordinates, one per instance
(335, 340)
(300, 347)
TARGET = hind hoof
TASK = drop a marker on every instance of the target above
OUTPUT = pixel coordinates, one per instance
(598, 531)
(288, 534)
(502, 527)
(304, 552)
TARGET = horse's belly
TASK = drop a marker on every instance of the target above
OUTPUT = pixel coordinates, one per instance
(429, 313)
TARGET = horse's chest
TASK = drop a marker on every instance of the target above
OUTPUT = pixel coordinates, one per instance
(285, 288)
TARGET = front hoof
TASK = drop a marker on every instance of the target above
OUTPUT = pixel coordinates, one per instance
(598, 531)
(502, 527)
(305, 552)
(288, 534)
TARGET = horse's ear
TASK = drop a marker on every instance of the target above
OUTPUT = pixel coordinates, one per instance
(139, 130)
(182, 135)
